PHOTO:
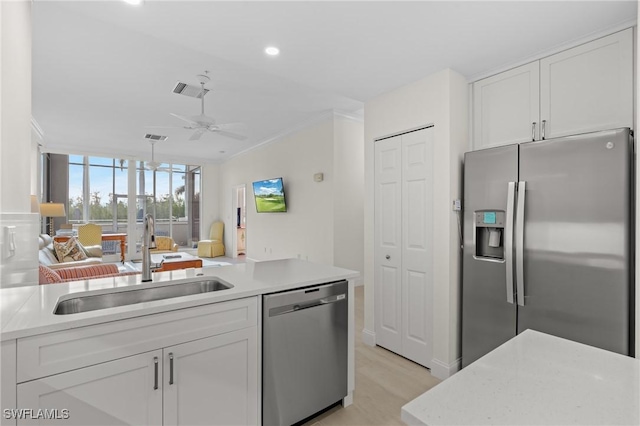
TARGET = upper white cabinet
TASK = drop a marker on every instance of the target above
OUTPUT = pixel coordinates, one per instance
(589, 87)
(584, 89)
(506, 105)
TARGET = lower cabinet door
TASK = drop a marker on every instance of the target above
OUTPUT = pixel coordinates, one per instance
(120, 392)
(212, 381)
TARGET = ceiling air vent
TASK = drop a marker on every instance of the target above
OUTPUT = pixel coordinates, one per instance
(189, 90)
(155, 137)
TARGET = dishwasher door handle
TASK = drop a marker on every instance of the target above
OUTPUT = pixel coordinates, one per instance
(287, 309)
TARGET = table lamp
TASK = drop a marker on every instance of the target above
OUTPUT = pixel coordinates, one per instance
(52, 210)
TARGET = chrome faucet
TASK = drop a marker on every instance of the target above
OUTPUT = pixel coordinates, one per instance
(148, 243)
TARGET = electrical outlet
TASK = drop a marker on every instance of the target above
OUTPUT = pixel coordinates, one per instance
(457, 205)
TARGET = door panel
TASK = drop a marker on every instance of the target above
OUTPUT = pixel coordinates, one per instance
(505, 106)
(577, 254)
(417, 248)
(589, 87)
(215, 380)
(117, 392)
(488, 320)
(387, 250)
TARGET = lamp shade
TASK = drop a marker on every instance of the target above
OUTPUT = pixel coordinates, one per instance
(35, 205)
(52, 210)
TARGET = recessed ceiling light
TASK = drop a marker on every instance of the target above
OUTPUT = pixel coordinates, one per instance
(133, 2)
(272, 51)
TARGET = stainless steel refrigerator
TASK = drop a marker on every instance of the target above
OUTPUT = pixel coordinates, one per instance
(549, 242)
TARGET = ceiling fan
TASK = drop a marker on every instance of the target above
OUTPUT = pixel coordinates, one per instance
(154, 165)
(203, 123)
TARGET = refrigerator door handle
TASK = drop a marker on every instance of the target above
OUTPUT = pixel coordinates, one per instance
(508, 239)
(519, 242)
(533, 131)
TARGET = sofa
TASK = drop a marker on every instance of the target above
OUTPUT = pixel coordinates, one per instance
(164, 245)
(47, 256)
(62, 275)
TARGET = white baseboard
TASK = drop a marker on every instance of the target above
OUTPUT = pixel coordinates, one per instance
(368, 337)
(442, 370)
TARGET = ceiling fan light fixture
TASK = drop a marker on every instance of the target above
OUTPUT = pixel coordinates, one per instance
(153, 137)
(189, 90)
(272, 51)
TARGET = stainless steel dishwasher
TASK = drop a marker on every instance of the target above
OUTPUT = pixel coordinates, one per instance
(304, 361)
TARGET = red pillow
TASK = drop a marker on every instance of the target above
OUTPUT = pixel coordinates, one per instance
(48, 275)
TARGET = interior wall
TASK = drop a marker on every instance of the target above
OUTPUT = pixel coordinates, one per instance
(15, 107)
(439, 99)
(210, 199)
(306, 229)
(348, 161)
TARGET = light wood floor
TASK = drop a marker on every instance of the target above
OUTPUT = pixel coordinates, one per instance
(384, 383)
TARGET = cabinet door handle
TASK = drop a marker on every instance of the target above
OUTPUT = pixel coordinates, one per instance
(533, 131)
(544, 128)
(387, 257)
(155, 373)
(171, 368)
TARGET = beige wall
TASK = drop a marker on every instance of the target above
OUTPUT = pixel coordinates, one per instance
(306, 229)
(210, 199)
(441, 100)
(348, 194)
(323, 223)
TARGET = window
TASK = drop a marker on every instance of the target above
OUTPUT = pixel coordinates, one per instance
(98, 193)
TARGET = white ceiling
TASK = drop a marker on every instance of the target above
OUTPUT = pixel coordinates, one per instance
(102, 71)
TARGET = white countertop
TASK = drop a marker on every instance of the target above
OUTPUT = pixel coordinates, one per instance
(27, 311)
(535, 379)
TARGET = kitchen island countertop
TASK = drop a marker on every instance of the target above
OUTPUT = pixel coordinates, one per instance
(28, 311)
(535, 379)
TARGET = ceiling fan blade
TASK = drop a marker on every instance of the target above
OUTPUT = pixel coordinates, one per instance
(184, 118)
(230, 134)
(197, 134)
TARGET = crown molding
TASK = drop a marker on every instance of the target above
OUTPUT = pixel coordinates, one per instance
(37, 130)
(556, 49)
(136, 156)
(286, 132)
(324, 115)
(357, 116)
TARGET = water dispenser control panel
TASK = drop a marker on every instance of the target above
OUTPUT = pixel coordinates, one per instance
(494, 219)
(489, 235)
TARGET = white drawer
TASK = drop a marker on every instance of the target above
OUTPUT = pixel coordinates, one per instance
(47, 354)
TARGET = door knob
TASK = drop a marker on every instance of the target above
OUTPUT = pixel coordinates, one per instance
(387, 257)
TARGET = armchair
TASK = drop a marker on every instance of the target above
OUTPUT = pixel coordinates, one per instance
(214, 246)
(90, 236)
(164, 245)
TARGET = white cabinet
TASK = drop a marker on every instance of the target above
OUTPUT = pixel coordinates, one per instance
(505, 106)
(403, 278)
(125, 391)
(588, 88)
(192, 366)
(8, 380)
(583, 89)
(213, 381)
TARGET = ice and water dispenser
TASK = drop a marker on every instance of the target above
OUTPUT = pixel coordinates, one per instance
(489, 228)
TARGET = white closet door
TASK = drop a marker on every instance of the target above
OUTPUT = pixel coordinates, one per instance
(417, 247)
(387, 251)
(505, 106)
(589, 87)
